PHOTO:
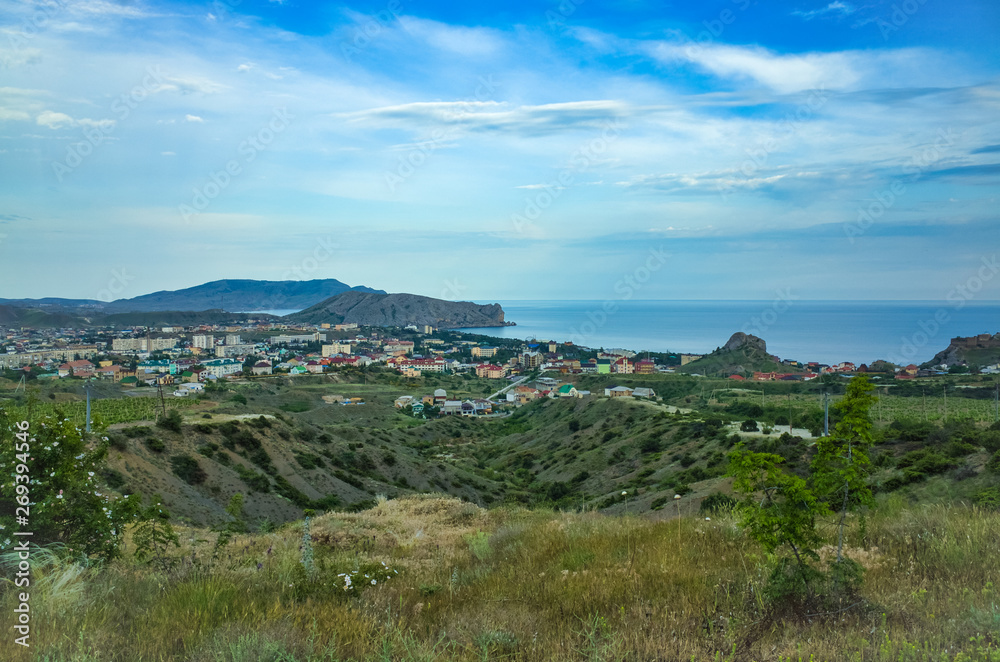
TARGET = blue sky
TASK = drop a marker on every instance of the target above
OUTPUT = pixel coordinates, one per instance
(845, 150)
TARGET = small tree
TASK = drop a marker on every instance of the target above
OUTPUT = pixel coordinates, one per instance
(154, 535)
(841, 466)
(777, 509)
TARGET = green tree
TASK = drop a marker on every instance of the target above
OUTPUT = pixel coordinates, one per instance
(154, 535)
(777, 508)
(51, 472)
(841, 466)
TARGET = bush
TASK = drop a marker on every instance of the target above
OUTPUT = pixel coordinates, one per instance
(66, 509)
(136, 431)
(156, 445)
(172, 421)
(716, 502)
(187, 469)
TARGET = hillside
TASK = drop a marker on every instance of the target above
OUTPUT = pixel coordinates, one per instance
(975, 351)
(741, 355)
(329, 456)
(14, 316)
(229, 294)
(379, 309)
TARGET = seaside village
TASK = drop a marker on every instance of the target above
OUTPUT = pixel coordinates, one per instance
(184, 359)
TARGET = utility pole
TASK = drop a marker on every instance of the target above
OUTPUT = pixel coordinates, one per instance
(159, 388)
(826, 414)
(86, 388)
(789, 413)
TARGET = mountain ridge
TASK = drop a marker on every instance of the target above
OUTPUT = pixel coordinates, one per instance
(228, 294)
(399, 309)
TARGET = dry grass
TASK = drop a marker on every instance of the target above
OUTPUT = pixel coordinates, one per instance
(523, 585)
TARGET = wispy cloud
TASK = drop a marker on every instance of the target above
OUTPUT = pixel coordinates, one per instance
(837, 9)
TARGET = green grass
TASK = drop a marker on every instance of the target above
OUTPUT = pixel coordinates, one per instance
(523, 585)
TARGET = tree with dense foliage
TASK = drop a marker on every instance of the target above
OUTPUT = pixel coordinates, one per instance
(51, 471)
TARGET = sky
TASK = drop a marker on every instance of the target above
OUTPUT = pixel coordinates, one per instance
(722, 149)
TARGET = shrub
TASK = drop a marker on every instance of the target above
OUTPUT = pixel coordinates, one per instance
(172, 421)
(66, 509)
(749, 425)
(156, 445)
(716, 502)
(187, 469)
(650, 444)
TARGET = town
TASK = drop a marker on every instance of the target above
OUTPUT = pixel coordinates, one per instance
(182, 360)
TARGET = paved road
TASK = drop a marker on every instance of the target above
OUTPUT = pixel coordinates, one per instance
(510, 386)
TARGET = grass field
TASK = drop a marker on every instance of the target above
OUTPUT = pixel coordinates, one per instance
(440, 579)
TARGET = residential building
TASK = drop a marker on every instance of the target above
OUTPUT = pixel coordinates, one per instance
(261, 368)
(618, 392)
(335, 348)
(203, 341)
(223, 367)
(484, 352)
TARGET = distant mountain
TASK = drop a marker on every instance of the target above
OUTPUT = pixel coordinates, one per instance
(14, 316)
(742, 354)
(380, 309)
(230, 295)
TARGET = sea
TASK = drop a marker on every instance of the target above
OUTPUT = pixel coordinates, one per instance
(825, 331)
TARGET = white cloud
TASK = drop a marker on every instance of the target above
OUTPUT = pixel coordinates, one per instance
(193, 118)
(56, 120)
(495, 116)
(784, 73)
(834, 8)
(454, 39)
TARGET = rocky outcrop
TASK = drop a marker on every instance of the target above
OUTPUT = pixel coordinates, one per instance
(373, 309)
(739, 340)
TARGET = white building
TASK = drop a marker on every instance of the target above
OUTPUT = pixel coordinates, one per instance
(223, 367)
(203, 341)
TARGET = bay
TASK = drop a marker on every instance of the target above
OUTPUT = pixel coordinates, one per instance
(824, 331)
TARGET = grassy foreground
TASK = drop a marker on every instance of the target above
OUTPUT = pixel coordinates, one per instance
(436, 578)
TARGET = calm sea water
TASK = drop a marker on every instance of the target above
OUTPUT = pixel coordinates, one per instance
(824, 331)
